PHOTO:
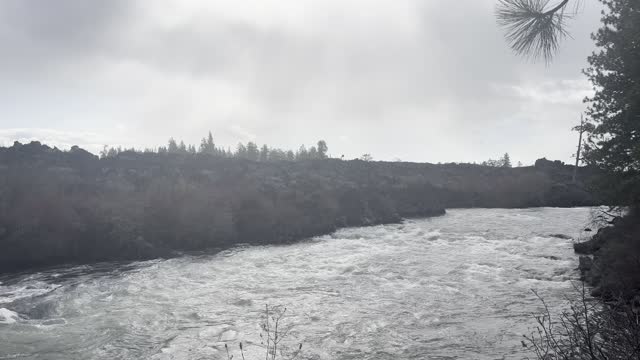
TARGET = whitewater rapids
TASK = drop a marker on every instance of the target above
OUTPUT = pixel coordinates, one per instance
(450, 287)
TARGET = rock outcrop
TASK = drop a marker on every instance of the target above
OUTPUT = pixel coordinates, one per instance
(609, 261)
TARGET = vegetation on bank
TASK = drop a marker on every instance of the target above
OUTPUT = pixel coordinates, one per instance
(272, 337)
(607, 327)
(253, 151)
(613, 146)
(71, 206)
(587, 329)
(610, 260)
(248, 151)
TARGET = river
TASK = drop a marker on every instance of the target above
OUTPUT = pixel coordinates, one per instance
(450, 287)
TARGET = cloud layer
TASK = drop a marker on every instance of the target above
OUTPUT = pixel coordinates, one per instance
(410, 79)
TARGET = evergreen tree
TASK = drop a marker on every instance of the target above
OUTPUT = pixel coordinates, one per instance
(264, 153)
(104, 153)
(210, 144)
(290, 155)
(322, 149)
(506, 161)
(313, 153)
(203, 146)
(277, 155)
(172, 146)
(302, 153)
(241, 151)
(614, 111)
(252, 151)
(207, 146)
(182, 148)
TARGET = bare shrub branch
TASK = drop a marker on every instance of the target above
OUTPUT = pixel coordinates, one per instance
(591, 329)
(273, 334)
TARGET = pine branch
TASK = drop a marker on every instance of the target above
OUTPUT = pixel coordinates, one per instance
(531, 30)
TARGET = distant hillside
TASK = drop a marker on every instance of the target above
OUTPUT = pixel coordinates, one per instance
(58, 207)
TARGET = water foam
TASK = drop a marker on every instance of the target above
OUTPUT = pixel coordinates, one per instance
(8, 317)
(456, 286)
(24, 290)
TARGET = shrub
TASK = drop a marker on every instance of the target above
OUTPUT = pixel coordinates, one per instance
(591, 329)
(274, 332)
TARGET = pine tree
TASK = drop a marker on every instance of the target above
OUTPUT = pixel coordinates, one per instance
(241, 151)
(252, 151)
(203, 146)
(172, 146)
(322, 149)
(613, 116)
(313, 153)
(207, 146)
(290, 155)
(264, 153)
(506, 160)
(182, 148)
(302, 153)
(211, 146)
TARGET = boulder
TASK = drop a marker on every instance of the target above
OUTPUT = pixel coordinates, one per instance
(594, 244)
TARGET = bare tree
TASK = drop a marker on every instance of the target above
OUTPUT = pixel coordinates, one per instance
(366, 157)
(580, 130)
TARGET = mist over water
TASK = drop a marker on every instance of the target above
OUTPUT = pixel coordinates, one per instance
(451, 287)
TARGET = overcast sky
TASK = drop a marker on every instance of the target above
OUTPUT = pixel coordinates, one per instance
(417, 80)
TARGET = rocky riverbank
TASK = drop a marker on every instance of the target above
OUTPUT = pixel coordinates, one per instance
(70, 206)
(610, 260)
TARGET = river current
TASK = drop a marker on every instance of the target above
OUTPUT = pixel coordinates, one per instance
(451, 287)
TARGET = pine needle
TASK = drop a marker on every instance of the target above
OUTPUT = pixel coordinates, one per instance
(531, 29)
